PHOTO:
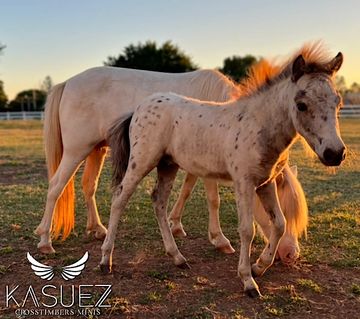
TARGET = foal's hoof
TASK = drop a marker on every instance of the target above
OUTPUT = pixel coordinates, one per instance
(184, 265)
(226, 249)
(178, 232)
(253, 293)
(105, 269)
(46, 249)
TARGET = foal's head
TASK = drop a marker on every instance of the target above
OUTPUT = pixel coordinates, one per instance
(315, 107)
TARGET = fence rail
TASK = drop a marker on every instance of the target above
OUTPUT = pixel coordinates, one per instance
(21, 115)
(346, 111)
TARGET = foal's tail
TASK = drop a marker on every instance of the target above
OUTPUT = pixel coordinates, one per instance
(293, 203)
(119, 143)
(64, 209)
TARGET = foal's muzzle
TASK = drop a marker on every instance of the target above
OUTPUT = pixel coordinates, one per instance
(333, 157)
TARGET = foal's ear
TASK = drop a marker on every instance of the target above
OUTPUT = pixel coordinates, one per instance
(298, 68)
(335, 64)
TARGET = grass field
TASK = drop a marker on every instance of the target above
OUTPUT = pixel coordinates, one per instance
(325, 282)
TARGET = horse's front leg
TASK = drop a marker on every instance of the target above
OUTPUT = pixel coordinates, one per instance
(244, 201)
(175, 216)
(216, 236)
(268, 196)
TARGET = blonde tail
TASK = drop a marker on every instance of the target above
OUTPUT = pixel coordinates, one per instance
(63, 219)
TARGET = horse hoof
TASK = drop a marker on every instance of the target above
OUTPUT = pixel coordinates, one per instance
(100, 235)
(184, 265)
(178, 232)
(253, 293)
(227, 249)
(105, 269)
(256, 271)
(46, 249)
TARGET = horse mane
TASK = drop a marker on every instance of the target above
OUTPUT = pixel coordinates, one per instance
(266, 73)
(213, 86)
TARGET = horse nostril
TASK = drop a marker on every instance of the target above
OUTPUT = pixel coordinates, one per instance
(343, 153)
(329, 155)
(334, 158)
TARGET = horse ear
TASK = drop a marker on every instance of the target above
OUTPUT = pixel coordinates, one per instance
(335, 64)
(298, 68)
(294, 170)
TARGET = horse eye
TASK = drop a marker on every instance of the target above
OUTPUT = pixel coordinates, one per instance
(301, 106)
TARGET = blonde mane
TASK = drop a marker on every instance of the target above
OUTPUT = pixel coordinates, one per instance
(214, 86)
(265, 73)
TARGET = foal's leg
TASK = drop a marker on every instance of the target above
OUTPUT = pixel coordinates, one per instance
(178, 209)
(120, 198)
(93, 165)
(268, 196)
(69, 164)
(216, 236)
(244, 201)
(160, 196)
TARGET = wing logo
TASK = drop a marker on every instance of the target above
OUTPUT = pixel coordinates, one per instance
(68, 272)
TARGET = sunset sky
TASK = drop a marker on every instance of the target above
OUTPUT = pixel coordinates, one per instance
(62, 38)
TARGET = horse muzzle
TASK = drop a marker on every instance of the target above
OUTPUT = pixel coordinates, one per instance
(332, 157)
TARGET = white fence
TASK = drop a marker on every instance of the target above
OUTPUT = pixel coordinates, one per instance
(21, 115)
(346, 111)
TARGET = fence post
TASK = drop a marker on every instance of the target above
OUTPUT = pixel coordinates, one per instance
(23, 115)
(8, 116)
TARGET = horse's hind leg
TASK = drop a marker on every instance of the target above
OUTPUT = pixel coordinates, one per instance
(178, 209)
(166, 175)
(68, 166)
(268, 196)
(120, 198)
(216, 236)
(93, 165)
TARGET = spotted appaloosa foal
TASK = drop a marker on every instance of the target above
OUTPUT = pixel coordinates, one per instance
(244, 141)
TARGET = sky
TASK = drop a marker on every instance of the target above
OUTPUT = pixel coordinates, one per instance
(61, 38)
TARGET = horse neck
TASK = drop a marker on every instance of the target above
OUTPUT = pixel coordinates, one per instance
(271, 108)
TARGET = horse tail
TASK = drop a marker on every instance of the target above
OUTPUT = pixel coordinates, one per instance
(119, 142)
(293, 203)
(63, 219)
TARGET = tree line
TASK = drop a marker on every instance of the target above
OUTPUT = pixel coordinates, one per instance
(167, 57)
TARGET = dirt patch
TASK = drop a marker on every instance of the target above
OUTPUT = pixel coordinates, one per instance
(147, 285)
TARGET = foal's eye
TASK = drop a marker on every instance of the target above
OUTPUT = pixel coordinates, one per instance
(301, 106)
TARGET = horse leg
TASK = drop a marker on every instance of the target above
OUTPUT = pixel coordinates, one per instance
(268, 196)
(160, 195)
(67, 168)
(244, 202)
(216, 236)
(178, 209)
(93, 165)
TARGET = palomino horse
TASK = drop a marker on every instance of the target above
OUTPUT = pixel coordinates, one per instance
(243, 141)
(292, 202)
(78, 115)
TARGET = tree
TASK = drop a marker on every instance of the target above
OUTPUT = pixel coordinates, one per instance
(3, 97)
(148, 56)
(28, 100)
(355, 88)
(340, 84)
(2, 47)
(236, 66)
(47, 84)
